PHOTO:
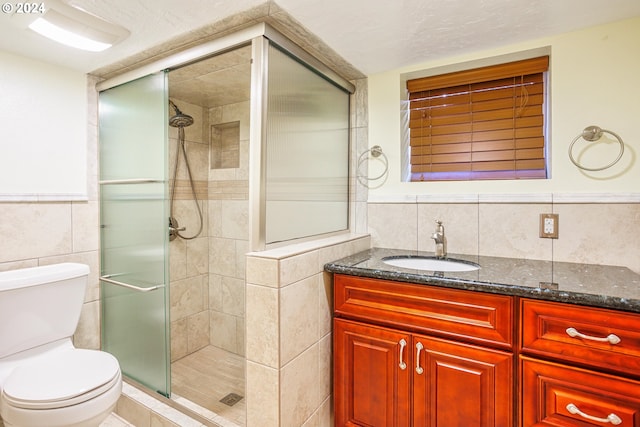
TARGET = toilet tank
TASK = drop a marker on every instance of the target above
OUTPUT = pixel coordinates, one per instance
(40, 305)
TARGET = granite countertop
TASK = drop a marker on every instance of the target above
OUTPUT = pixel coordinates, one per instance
(603, 286)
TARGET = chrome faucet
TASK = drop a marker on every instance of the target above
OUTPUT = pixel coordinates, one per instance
(440, 239)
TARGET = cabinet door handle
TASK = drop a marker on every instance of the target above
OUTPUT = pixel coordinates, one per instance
(403, 344)
(611, 418)
(419, 348)
(611, 338)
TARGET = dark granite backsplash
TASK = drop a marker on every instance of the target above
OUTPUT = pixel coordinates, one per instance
(586, 284)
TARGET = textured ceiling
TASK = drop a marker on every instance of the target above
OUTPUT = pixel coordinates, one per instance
(372, 35)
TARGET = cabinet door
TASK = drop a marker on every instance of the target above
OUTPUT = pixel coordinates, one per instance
(461, 385)
(371, 376)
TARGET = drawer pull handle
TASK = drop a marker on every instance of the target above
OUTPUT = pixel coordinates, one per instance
(419, 348)
(611, 338)
(611, 418)
(403, 344)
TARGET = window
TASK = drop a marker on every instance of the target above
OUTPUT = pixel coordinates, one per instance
(484, 123)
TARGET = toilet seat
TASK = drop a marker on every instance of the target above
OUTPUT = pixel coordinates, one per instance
(65, 379)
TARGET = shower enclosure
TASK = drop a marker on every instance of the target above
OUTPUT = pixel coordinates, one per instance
(241, 144)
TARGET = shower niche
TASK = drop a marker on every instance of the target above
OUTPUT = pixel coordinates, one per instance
(225, 145)
(246, 146)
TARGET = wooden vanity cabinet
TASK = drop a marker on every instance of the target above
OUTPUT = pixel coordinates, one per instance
(579, 365)
(422, 356)
(408, 355)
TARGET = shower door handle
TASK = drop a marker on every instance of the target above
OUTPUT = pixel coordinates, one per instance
(173, 229)
(130, 181)
(107, 278)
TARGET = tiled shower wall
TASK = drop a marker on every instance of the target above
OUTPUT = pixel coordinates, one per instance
(207, 273)
(189, 259)
(229, 230)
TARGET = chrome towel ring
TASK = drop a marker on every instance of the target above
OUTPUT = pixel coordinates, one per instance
(591, 134)
(376, 151)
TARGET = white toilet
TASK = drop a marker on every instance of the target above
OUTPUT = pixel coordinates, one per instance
(44, 379)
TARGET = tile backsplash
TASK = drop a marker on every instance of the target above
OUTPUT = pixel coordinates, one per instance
(595, 233)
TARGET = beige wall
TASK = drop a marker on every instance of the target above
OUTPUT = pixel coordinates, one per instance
(591, 78)
(41, 233)
(590, 75)
(43, 131)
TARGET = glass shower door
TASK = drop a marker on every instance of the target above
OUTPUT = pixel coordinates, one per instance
(134, 235)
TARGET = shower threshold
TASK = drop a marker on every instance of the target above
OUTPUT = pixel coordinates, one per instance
(144, 400)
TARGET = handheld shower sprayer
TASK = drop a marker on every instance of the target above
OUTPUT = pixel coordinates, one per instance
(180, 120)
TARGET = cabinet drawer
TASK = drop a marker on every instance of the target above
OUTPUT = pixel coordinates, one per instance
(469, 316)
(559, 396)
(550, 330)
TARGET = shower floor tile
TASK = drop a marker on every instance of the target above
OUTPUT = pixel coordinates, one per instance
(208, 375)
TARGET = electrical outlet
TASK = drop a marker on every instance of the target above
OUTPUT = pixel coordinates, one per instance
(549, 226)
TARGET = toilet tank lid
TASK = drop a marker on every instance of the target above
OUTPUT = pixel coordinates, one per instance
(34, 276)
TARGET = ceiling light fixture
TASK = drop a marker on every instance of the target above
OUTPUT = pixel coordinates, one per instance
(74, 27)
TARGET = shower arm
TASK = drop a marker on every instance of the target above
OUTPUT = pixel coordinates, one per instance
(175, 108)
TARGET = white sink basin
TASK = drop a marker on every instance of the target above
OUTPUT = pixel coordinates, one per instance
(431, 264)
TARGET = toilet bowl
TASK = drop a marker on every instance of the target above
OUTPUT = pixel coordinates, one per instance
(44, 379)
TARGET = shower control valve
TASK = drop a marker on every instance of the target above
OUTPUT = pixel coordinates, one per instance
(174, 228)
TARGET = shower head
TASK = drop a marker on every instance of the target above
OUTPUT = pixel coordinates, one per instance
(179, 120)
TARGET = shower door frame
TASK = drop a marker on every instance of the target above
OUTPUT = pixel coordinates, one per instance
(259, 35)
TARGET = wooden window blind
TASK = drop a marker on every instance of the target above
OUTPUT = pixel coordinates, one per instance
(484, 123)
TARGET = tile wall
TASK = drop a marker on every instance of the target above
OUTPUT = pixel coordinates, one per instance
(189, 259)
(289, 340)
(207, 273)
(597, 233)
(229, 234)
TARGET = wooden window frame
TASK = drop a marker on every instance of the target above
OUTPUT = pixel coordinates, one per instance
(480, 124)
